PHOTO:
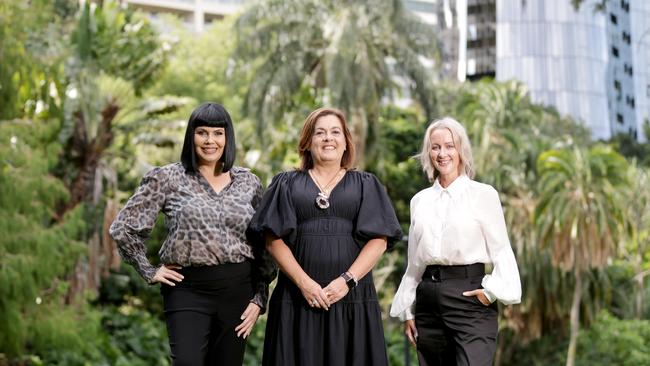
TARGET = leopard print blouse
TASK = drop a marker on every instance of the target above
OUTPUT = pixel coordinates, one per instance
(205, 228)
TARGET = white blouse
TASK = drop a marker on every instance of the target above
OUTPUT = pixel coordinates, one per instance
(457, 225)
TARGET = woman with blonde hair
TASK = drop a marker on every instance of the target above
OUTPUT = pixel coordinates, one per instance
(445, 298)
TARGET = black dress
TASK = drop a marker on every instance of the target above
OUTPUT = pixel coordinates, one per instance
(325, 243)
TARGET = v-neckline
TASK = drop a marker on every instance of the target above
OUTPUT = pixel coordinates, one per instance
(209, 186)
(313, 182)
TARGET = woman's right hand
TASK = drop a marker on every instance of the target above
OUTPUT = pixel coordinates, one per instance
(314, 294)
(166, 274)
(411, 331)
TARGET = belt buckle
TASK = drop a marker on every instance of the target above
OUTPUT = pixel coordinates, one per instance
(435, 274)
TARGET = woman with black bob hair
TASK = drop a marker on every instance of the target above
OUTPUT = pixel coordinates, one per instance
(214, 283)
(209, 115)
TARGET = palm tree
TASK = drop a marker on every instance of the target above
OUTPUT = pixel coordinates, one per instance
(346, 54)
(501, 118)
(638, 214)
(579, 214)
(99, 100)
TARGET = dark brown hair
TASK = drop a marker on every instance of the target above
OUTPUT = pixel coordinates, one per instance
(306, 161)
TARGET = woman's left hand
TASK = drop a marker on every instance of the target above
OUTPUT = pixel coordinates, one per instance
(249, 317)
(336, 290)
(480, 295)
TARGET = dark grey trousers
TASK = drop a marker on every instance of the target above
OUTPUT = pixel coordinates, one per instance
(454, 329)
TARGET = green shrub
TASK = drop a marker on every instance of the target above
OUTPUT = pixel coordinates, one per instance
(609, 341)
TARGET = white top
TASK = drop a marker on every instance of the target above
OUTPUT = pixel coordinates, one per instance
(457, 225)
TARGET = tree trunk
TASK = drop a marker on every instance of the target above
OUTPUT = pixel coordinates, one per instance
(640, 290)
(87, 188)
(92, 149)
(638, 303)
(575, 318)
(358, 124)
(109, 247)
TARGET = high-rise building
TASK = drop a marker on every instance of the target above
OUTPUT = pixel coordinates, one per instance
(639, 34)
(590, 63)
(628, 82)
(466, 33)
(481, 39)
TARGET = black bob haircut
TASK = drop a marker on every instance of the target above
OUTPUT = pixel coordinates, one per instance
(210, 115)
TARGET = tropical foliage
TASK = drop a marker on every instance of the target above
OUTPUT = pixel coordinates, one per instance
(350, 55)
(579, 214)
(93, 96)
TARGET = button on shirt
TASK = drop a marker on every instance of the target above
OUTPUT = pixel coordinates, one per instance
(458, 225)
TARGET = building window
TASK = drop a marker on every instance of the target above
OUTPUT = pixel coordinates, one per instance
(626, 37)
(625, 5)
(627, 69)
(617, 85)
(629, 101)
(612, 17)
(471, 66)
(619, 118)
(615, 52)
(471, 32)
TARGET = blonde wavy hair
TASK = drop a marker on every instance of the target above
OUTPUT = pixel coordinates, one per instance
(461, 141)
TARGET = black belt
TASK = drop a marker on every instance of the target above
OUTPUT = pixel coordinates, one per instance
(440, 273)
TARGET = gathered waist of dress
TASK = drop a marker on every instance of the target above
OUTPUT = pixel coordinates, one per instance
(325, 226)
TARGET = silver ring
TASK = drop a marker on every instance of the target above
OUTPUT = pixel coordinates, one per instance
(314, 302)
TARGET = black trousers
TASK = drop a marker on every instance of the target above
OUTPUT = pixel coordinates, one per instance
(202, 312)
(454, 329)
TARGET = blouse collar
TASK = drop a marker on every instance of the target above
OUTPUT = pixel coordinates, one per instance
(454, 189)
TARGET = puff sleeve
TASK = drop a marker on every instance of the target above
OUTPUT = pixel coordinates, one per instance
(376, 215)
(275, 213)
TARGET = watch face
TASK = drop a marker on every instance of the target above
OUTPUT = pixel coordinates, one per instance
(350, 283)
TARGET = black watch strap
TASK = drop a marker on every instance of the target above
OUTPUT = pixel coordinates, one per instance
(349, 280)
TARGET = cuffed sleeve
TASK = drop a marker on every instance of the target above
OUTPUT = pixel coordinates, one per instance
(264, 267)
(503, 283)
(264, 272)
(404, 299)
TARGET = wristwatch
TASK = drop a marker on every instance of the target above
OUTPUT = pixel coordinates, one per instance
(349, 280)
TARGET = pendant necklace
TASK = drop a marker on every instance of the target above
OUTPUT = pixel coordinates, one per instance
(322, 199)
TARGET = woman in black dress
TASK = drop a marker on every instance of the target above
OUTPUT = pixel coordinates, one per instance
(326, 226)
